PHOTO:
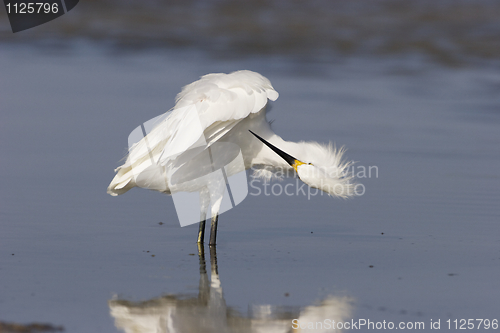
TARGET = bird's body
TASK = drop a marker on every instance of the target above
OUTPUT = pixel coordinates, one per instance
(226, 109)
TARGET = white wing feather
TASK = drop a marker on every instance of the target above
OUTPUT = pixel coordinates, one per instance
(205, 110)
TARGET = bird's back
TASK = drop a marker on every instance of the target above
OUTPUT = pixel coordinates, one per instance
(205, 111)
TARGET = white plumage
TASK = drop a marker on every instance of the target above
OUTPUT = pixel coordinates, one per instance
(224, 108)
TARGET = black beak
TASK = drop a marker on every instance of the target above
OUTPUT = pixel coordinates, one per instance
(288, 158)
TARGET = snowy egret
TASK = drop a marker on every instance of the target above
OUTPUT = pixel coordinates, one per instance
(225, 109)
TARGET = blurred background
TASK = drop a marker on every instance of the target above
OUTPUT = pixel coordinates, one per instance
(409, 87)
(450, 32)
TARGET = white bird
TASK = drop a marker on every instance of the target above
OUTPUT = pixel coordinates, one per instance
(227, 110)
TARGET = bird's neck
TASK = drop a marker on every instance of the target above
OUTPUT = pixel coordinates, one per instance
(265, 156)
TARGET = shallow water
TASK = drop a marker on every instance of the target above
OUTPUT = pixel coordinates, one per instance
(450, 32)
(421, 244)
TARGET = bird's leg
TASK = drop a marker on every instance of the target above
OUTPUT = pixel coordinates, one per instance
(201, 256)
(215, 220)
(204, 203)
(213, 230)
(201, 232)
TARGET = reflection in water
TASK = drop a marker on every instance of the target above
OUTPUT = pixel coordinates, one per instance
(208, 312)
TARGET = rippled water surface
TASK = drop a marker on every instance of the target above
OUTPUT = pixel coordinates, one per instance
(422, 243)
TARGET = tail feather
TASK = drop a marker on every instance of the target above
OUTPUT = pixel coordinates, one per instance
(122, 182)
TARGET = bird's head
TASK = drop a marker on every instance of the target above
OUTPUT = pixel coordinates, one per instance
(322, 169)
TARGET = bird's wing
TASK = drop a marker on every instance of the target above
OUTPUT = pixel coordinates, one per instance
(211, 107)
(205, 110)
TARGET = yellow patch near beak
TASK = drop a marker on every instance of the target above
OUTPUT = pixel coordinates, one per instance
(296, 164)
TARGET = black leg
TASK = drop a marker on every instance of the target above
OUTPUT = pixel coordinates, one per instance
(213, 230)
(201, 232)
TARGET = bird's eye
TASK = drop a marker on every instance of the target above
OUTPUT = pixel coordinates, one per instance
(309, 164)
